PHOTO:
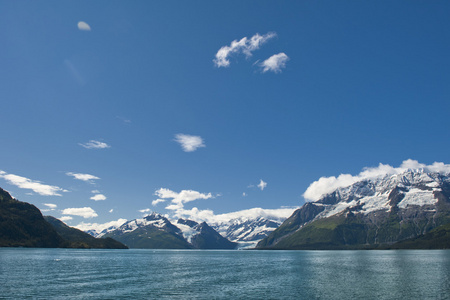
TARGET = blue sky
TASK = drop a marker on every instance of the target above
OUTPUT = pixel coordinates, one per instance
(357, 83)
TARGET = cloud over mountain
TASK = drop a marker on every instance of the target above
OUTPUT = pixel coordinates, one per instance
(325, 185)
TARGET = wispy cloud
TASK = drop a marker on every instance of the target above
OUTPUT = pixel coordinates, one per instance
(111, 210)
(262, 185)
(84, 177)
(274, 63)
(124, 120)
(50, 205)
(189, 143)
(74, 72)
(85, 212)
(145, 210)
(244, 45)
(34, 185)
(93, 144)
(84, 26)
(157, 201)
(327, 185)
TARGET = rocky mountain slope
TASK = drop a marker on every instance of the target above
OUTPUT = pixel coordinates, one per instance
(372, 212)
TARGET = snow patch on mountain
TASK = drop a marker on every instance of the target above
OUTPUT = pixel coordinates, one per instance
(418, 197)
(417, 187)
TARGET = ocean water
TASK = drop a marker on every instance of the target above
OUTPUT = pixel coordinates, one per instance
(171, 274)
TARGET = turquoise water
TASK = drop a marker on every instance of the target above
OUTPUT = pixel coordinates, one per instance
(166, 274)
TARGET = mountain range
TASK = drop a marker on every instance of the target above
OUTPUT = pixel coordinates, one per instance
(391, 211)
(155, 231)
(410, 209)
(243, 231)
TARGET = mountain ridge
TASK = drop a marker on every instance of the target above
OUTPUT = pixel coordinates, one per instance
(155, 231)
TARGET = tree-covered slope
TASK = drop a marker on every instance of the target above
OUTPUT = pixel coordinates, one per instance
(22, 225)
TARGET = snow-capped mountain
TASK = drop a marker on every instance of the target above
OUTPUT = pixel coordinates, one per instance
(202, 236)
(380, 210)
(248, 227)
(247, 232)
(156, 231)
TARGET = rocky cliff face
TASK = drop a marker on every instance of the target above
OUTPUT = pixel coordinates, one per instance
(371, 212)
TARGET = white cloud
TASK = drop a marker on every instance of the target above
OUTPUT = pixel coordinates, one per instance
(145, 211)
(111, 210)
(66, 218)
(157, 201)
(248, 214)
(35, 186)
(244, 194)
(99, 227)
(85, 212)
(84, 26)
(179, 199)
(50, 205)
(95, 192)
(189, 143)
(262, 185)
(98, 197)
(244, 45)
(326, 185)
(84, 177)
(274, 63)
(93, 144)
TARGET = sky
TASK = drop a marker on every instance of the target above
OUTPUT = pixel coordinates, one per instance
(114, 109)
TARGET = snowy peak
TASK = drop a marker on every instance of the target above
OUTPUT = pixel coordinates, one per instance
(154, 220)
(414, 187)
(373, 211)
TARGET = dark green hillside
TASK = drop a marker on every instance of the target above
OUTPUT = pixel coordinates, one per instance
(150, 237)
(22, 225)
(336, 232)
(438, 238)
(208, 238)
(78, 239)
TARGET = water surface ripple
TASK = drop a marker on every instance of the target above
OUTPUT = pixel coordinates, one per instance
(178, 274)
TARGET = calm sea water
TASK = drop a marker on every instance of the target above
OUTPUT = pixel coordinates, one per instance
(167, 274)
